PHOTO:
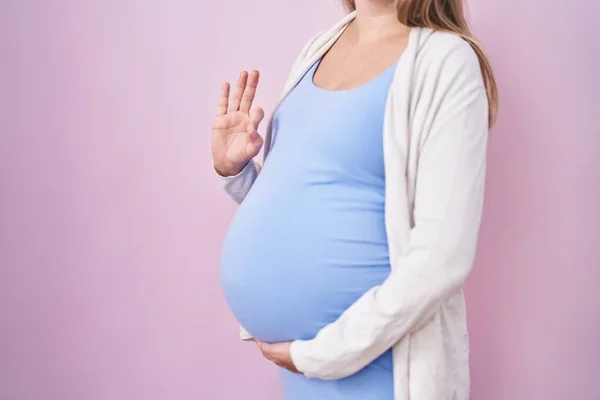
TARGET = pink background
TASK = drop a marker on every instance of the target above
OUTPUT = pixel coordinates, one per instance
(111, 219)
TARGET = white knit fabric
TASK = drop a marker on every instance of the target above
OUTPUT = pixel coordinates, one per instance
(435, 142)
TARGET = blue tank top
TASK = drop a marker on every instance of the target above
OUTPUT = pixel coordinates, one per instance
(309, 238)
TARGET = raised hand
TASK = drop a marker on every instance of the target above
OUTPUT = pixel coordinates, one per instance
(235, 139)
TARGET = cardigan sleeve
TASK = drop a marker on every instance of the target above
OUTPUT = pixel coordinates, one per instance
(441, 247)
(238, 186)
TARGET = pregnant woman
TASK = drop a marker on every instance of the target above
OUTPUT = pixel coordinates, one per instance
(346, 258)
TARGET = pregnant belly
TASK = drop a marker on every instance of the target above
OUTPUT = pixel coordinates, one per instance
(288, 271)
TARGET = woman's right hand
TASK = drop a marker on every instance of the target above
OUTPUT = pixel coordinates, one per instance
(235, 140)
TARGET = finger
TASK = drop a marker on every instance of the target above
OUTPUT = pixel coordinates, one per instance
(254, 142)
(269, 357)
(267, 350)
(262, 346)
(239, 91)
(256, 116)
(223, 99)
(249, 91)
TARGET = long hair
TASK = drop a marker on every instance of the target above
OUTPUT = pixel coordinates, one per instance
(447, 16)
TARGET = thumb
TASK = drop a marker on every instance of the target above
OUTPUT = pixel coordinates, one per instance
(256, 116)
(254, 143)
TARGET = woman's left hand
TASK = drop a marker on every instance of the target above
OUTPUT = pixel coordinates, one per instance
(279, 353)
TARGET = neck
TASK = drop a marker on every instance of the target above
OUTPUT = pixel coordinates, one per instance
(377, 18)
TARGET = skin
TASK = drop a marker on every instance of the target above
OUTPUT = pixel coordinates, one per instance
(235, 139)
(278, 353)
(367, 47)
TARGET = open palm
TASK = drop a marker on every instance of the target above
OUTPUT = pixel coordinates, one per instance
(235, 139)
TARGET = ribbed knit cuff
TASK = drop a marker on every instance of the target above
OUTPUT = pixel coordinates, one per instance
(298, 350)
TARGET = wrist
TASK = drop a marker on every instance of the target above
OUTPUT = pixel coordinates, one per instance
(298, 357)
(227, 171)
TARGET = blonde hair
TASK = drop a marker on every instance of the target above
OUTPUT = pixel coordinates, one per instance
(447, 16)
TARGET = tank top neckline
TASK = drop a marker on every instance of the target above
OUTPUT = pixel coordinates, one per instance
(313, 70)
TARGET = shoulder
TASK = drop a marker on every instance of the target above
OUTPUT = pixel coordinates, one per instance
(437, 47)
(321, 39)
(305, 53)
(446, 53)
(312, 44)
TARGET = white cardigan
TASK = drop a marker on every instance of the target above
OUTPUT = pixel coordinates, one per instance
(435, 139)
